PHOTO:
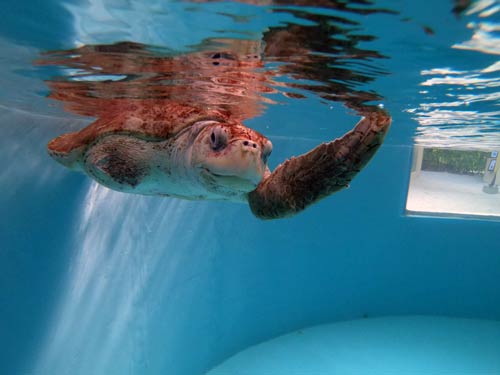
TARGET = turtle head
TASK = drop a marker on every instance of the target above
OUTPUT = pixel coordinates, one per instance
(230, 158)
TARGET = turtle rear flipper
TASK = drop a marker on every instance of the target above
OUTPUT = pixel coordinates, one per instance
(328, 168)
(116, 161)
(66, 150)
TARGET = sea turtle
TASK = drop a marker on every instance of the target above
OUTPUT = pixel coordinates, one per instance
(168, 148)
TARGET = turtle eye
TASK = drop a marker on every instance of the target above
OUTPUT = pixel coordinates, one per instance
(218, 139)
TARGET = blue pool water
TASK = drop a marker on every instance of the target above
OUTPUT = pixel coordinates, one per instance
(94, 281)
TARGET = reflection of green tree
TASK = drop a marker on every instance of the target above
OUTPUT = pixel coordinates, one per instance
(454, 161)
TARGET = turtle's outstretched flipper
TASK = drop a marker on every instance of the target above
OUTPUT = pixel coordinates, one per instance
(328, 168)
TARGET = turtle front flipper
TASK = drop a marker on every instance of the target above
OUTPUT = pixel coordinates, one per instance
(328, 168)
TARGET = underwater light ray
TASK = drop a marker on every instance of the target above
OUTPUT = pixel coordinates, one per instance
(107, 279)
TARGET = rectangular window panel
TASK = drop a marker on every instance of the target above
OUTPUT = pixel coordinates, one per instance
(454, 182)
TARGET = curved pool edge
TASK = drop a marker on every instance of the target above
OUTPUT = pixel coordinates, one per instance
(386, 345)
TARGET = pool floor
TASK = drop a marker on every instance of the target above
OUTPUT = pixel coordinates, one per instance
(393, 345)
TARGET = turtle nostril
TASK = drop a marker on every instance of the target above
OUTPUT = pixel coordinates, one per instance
(250, 144)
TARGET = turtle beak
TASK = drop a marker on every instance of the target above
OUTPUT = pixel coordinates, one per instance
(253, 161)
(242, 158)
